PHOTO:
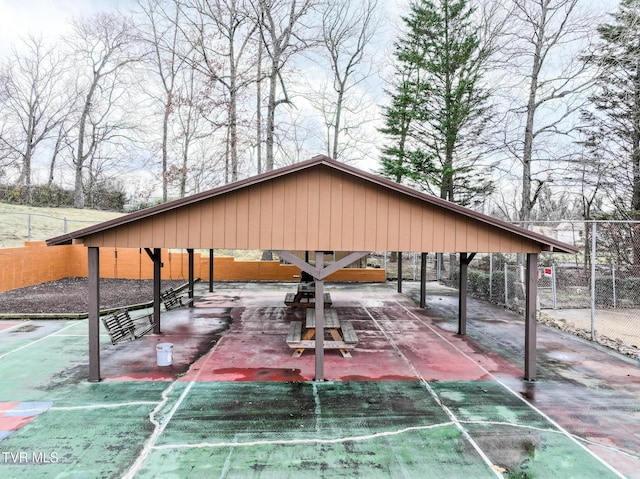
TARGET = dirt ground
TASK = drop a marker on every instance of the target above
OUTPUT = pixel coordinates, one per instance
(71, 295)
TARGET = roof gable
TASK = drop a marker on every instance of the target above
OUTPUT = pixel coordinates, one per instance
(319, 204)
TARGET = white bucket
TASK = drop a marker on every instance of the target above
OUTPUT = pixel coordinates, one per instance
(164, 353)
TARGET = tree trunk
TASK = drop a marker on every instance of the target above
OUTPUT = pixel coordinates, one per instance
(165, 139)
(336, 126)
(527, 151)
(271, 117)
(259, 111)
(78, 193)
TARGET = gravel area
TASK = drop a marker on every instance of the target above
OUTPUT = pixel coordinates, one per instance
(71, 295)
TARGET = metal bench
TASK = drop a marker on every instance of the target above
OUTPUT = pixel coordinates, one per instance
(171, 299)
(122, 328)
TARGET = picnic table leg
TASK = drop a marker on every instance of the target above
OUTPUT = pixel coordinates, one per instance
(336, 335)
(308, 335)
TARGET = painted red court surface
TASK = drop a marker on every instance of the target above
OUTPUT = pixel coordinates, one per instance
(395, 343)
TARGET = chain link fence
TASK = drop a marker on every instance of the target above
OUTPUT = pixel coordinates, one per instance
(20, 227)
(594, 294)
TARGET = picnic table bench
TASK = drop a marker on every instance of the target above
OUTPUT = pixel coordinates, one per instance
(343, 337)
(122, 327)
(171, 299)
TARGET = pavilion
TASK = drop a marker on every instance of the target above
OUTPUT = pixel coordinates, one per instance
(318, 205)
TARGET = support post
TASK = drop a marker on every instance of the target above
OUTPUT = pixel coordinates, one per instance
(462, 295)
(191, 275)
(94, 313)
(157, 286)
(593, 280)
(423, 280)
(465, 259)
(531, 290)
(399, 271)
(211, 270)
(319, 283)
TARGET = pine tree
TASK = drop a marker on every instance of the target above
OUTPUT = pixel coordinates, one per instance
(439, 110)
(614, 118)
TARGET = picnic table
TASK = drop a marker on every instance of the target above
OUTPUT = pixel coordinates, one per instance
(343, 337)
(305, 297)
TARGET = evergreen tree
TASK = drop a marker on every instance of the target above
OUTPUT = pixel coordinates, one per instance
(617, 97)
(439, 111)
(614, 118)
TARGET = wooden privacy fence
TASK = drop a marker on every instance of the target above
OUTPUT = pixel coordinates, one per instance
(38, 263)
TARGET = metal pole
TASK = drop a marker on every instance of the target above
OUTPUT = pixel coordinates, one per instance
(157, 286)
(553, 287)
(530, 334)
(94, 313)
(506, 284)
(613, 284)
(211, 270)
(423, 280)
(462, 295)
(191, 275)
(319, 319)
(29, 228)
(490, 276)
(399, 271)
(593, 281)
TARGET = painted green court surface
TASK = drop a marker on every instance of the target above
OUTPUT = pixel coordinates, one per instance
(247, 429)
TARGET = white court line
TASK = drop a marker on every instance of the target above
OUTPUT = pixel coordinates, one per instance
(41, 339)
(288, 442)
(516, 394)
(102, 406)
(159, 428)
(437, 399)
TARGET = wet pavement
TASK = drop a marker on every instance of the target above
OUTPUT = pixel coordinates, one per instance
(415, 399)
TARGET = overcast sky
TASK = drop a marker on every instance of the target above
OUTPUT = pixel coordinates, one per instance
(18, 18)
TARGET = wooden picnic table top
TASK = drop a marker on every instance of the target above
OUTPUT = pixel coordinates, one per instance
(307, 287)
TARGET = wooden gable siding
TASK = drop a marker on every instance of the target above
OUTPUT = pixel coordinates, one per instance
(314, 209)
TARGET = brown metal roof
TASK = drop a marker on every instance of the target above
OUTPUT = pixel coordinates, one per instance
(319, 204)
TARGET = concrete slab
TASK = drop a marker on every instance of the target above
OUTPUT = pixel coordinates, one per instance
(415, 400)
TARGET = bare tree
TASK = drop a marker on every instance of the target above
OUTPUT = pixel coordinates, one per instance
(34, 103)
(283, 35)
(347, 32)
(101, 46)
(224, 36)
(544, 58)
(163, 34)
